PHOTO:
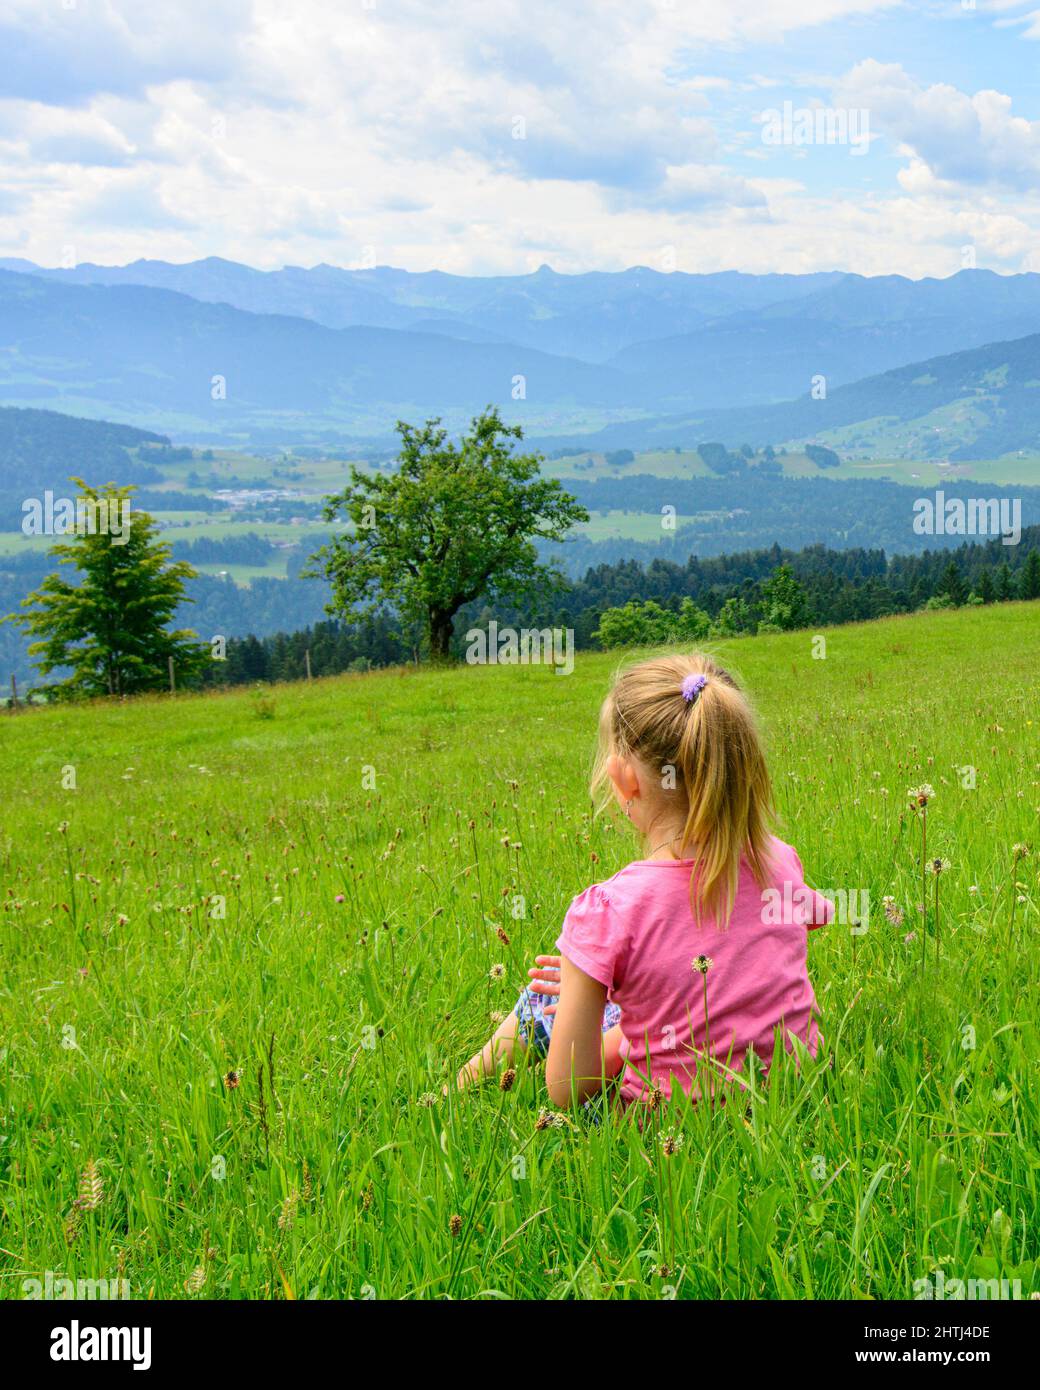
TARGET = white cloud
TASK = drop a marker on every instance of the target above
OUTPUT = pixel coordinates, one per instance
(65, 54)
(962, 140)
(271, 132)
(39, 134)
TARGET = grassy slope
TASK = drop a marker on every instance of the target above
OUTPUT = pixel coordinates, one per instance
(853, 1181)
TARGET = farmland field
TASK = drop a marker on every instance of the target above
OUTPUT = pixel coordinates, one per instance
(248, 937)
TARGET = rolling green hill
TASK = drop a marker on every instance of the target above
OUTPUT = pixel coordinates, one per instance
(40, 449)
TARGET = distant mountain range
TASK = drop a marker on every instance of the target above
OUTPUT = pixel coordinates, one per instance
(213, 351)
(590, 316)
(978, 404)
(208, 370)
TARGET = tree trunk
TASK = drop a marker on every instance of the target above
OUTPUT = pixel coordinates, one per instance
(440, 634)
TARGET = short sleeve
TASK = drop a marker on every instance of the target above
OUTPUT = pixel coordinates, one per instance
(818, 909)
(592, 937)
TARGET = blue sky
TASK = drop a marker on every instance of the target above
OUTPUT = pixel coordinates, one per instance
(491, 136)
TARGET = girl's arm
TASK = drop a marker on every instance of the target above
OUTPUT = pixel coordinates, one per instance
(574, 1066)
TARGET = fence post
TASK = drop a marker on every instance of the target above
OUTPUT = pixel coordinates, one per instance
(14, 691)
(173, 687)
(307, 659)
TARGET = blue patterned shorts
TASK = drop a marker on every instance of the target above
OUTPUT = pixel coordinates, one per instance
(536, 1027)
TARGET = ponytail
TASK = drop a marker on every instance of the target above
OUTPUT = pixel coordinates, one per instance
(686, 717)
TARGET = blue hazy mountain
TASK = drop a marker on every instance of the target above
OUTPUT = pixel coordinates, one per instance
(158, 358)
(976, 404)
(847, 330)
(589, 316)
(332, 353)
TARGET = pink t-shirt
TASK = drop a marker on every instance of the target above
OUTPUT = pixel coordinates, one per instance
(636, 935)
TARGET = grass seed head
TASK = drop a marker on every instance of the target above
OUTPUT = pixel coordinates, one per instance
(550, 1119)
(91, 1188)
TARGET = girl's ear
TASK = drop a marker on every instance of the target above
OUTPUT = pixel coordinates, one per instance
(623, 776)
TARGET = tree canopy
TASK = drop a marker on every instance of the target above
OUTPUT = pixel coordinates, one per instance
(454, 522)
(110, 628)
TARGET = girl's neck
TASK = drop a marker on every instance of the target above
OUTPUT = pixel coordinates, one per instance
(663, 846)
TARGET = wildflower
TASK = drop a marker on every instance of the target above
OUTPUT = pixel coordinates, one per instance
(497, 972)
(910, 936)
(426, 1100)
(939, 866)
(893, 913)
(502, 936)
(920, 796)
(702, 963)
(671, 1143)
(232, 1079)
(195, 1280)
(550, 1119)
(654, 1097)
(507, 1078)
(455, 1224)
(91, 1188)
(122, 920)
(63, 827)
(1019, 852)
(496, 1016)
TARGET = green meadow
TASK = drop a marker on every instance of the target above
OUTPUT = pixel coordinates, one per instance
(247, 938)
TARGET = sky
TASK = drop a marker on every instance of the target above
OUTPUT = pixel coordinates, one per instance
(495, 136)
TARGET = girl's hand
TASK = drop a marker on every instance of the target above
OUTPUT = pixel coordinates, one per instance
(545, 978)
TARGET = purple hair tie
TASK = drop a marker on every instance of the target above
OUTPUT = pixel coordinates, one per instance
(692, 687)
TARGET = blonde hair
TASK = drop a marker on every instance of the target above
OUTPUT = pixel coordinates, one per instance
(708, 753)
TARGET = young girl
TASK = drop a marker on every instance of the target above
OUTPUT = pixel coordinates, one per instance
(683, 956)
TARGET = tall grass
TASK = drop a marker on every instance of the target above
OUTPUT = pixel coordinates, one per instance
(240, 958)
